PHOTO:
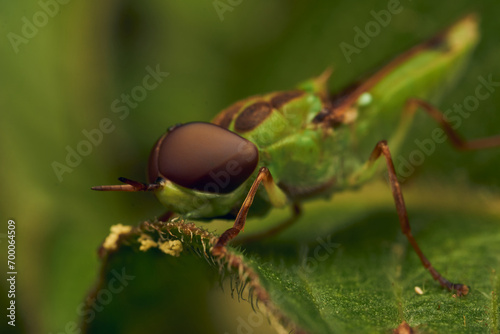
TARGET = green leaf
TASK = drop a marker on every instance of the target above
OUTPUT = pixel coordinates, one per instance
(353, 276)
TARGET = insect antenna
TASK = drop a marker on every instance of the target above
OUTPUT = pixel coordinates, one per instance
(130, 185)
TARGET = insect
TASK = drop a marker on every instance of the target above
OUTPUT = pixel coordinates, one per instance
(305, 143)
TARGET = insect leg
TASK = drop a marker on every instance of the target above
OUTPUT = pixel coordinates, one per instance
(382, 149)
(264, 177)
(413, 104)
(296, 212)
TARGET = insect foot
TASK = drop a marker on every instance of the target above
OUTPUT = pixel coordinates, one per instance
(462, 289)
(218, 251)
(220, 247)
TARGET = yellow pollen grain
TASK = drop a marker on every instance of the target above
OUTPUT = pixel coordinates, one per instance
(146, 242)
(171, 247)
(116, 230)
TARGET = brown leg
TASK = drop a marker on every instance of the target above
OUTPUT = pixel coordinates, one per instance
(263, 176)
(412, 105)
(382, 149)
(296, 211)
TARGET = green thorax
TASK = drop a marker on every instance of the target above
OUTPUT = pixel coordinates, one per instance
(304, 158)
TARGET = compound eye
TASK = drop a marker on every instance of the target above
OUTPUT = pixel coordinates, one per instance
(203, 157)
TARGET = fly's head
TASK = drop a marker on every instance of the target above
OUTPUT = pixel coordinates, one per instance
(197, 169)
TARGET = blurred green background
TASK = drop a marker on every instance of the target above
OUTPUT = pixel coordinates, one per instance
(62, 77)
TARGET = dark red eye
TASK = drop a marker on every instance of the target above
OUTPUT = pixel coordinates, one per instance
(203, 157)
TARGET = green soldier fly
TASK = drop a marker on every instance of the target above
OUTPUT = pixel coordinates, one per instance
(305, 143)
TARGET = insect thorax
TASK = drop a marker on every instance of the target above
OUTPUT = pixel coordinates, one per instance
(303, 157)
